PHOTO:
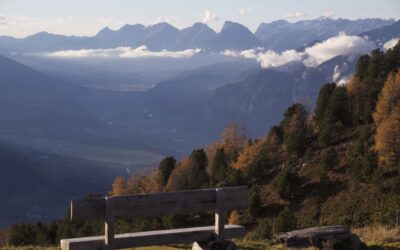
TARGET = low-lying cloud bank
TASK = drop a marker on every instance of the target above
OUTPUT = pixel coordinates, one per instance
(122, 52)
(391, 43)
(311, 56)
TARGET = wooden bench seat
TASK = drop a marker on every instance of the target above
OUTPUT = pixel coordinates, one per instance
(159, 237)
(108, 209)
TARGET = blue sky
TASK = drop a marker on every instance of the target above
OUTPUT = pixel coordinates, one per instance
(85, 17)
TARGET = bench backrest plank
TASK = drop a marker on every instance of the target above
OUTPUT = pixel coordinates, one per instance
(183, 202)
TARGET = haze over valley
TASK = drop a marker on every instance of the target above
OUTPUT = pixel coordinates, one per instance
(76, 111)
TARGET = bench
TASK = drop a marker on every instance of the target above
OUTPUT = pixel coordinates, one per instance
(109, 209)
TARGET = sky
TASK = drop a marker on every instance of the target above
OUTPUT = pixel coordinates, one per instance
(20, 18)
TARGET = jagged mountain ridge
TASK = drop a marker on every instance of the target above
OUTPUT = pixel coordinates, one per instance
(278, 35)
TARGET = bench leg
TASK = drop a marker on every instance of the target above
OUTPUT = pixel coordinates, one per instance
(215, 245)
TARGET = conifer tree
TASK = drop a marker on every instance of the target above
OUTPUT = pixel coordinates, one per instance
(219, 168)
(166, 167)
(118, 186)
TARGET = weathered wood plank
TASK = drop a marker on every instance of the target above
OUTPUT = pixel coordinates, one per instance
(109, 224)
(314, 235)
(220, 214)
(153, 238)
(184, 202)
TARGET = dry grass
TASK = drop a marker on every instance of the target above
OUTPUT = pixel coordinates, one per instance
(377, 234)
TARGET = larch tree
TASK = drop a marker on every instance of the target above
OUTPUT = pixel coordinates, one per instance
(118, 186)
(387, 140)
(387, 119)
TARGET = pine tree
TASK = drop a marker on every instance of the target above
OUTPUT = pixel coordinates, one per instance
(285, 221)
(255, 205)
(295, 129)
(287, 183)
(197, 164)
(219, 168)
(166, 167)
(323, 101)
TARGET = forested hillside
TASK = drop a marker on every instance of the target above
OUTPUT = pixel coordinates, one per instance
(337, 164)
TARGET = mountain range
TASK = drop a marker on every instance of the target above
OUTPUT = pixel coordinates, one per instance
(278, 35)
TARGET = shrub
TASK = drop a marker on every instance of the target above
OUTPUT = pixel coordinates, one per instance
(285, 221)
(287, 183)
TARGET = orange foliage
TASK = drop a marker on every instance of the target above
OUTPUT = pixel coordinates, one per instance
(387, 119)
(248, 155)
(143, 184)
(389, 98)
(179, 178)
(387, 141)
(118, 187)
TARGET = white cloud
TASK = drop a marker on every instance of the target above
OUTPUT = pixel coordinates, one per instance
(244, 12)
(328, 14)
(339, 45)
(272, 59)
(336, 73)
(312, 56)
(391, 43)
(296, 14)
(267, 58)
(122, 52)
(344, 80)
(208, 16)
(170, 20)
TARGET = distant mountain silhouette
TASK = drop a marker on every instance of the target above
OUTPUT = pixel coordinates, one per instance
(196, 36)
(278, 35)
(282, 35)
(383, 34)
(234, 36)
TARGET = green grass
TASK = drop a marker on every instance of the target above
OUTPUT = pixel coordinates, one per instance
(249, 245)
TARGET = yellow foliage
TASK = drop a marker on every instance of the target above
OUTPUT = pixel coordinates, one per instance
(387, 119)
(389, 98)
(178, 179)
(353, 86)
(248, 155)
(234, 218)
(118, 187)
(143, 184)
(233, 140)
(387, 141)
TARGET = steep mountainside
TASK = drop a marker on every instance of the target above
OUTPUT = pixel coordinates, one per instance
(282, 35)
(256, 102)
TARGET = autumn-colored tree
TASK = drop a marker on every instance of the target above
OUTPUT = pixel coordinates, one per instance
(387, 119)
(148, 183)
(179, 178)
(233, 140)
(118, 186)
(388, 139)
(248, 155)
(389, 98)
